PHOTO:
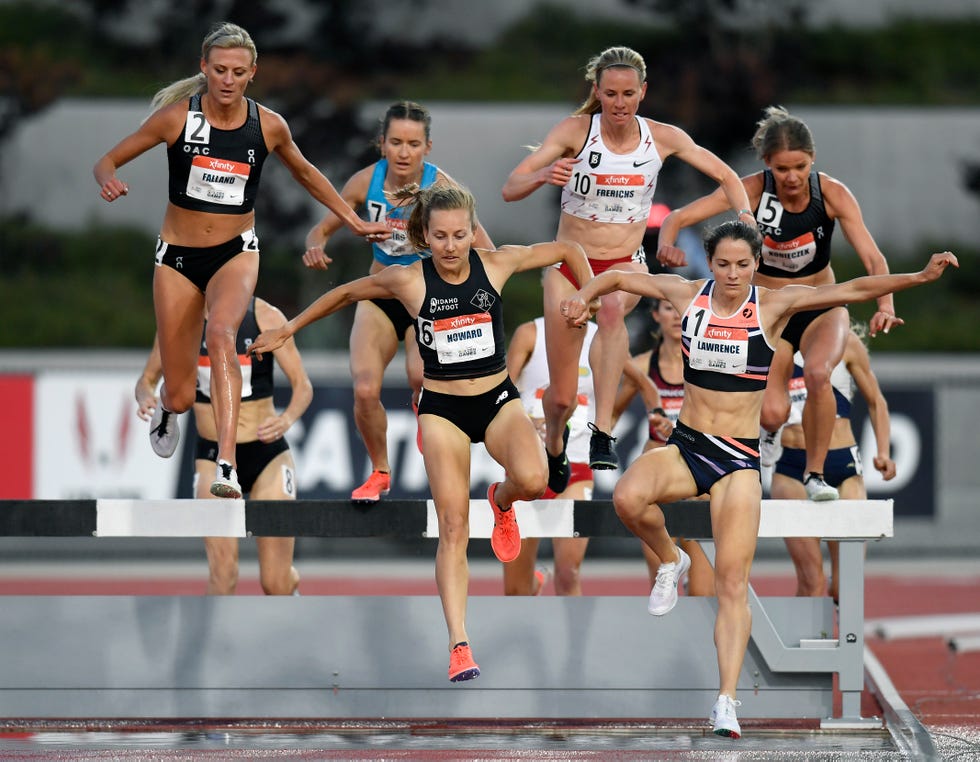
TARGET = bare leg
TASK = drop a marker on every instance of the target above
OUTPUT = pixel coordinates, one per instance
(228, 294)
(804, 551)
(569, 553)
(564, 346)
(447, 461)
(657, 476)
(735, 508)
(179, 309)
(609, 353)
(277, 574)
(822, 347)
(373, 344)
(775, 400)
(701, 575)
(519, 573)
(222, 552)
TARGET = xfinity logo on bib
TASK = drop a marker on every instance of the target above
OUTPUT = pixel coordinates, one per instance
(439, 305)
(222, 166)
(462, 321)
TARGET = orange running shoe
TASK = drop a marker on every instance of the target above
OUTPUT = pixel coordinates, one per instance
(461, 664)
(506, 537)
(377, 484)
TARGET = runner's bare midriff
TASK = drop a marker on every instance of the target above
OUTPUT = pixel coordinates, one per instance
(184, 227)
(252, 413)
(732, 414)
(821, 278)
(465, 387)
(602, 240)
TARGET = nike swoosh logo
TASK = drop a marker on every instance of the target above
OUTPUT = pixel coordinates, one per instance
(641, 163)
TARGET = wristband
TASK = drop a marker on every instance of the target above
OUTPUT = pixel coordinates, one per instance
(745, 211)
(658, 411)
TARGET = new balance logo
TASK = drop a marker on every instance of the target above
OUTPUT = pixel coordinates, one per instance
(503, 395)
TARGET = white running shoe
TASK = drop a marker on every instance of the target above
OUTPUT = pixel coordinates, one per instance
(817, 489)
(663, 597)
(164, 432)
(723, 717)
(225, 482)
(770, 446)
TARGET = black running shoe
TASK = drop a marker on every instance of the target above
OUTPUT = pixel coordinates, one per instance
(559, 471)
(602, 456)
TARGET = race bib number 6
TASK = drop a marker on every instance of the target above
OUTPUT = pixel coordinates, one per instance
(459, 339)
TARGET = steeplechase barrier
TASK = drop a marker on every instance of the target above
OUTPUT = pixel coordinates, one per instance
(379, 657)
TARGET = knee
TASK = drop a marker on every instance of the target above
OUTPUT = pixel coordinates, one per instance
(454, 531)
(366, 389)
(610, 316)
(775, 406)
(224, 578)
(180, 399)
(812, 582)
(732, 584)
(280, 582)
(631, 506)
(529, 484)
(567, 577)
(816, 377)
(562, 401)
(220, 337)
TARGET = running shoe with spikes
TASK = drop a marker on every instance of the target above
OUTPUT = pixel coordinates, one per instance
(164, 432)
(663, 597)
(602, 456)
(817, 488)
(225, 482)
(505, 540)
(377, 484)
(461, 664)
(723, 719)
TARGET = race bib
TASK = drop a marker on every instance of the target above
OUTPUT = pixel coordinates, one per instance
(720, 349)
(461, 338)
(790, 256)
(616, 194)
(218, 181)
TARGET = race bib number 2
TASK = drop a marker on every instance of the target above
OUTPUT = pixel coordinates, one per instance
(220, 181)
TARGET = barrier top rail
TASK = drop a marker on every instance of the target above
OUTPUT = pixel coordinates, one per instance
(412, 519)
